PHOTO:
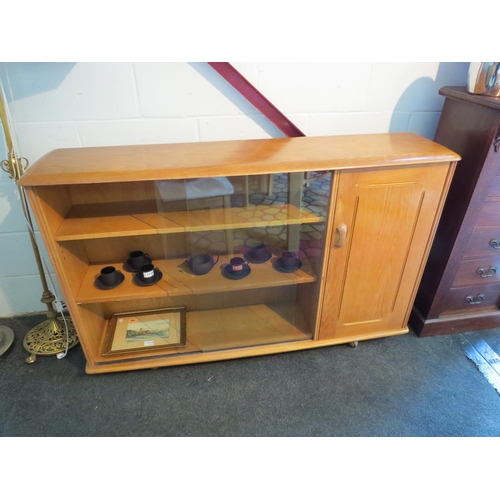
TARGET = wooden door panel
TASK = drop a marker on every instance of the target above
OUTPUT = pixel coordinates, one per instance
(372, 278)
(384, 221)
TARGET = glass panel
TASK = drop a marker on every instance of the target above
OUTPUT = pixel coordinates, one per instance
(246, 256)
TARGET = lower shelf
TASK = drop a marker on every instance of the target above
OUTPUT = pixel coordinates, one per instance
(232, 328)
(240, 327)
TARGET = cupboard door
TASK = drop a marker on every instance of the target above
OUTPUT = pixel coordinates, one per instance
(382, 227)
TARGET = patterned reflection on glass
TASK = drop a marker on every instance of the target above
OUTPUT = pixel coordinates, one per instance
(250, 250)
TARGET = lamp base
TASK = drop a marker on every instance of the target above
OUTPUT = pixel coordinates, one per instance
(49, 338)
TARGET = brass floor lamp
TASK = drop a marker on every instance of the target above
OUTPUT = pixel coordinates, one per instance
(56, 334)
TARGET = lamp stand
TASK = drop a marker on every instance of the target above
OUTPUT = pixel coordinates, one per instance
(56, 334)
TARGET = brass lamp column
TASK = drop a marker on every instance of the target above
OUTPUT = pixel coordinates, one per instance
(54, 335)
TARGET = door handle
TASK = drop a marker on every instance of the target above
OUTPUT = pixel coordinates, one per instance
(340, 235)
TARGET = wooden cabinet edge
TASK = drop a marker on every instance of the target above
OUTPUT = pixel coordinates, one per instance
(444, 193)
(228, 354)
(248, 157)
(51, 246)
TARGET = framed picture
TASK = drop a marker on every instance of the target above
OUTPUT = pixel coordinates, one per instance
(141, 331)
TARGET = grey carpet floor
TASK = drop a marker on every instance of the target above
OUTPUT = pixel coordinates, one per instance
(395, 386)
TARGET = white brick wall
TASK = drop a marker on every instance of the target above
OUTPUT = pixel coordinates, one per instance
(56, 105)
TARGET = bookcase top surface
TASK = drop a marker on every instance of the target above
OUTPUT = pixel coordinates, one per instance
(151, 162)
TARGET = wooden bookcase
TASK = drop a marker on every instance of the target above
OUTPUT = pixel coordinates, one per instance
(359, 211)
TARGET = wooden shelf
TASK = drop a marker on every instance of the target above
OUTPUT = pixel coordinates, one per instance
(178, 280)
(223, 329)
(241, 217)
(111, 220)
(141, 218)
(242, 327)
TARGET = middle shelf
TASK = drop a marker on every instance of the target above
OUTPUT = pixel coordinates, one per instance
(141, 218)
(178, 280)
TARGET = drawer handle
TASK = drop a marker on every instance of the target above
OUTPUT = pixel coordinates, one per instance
(487, 273)
(471, 300)
(494, 244)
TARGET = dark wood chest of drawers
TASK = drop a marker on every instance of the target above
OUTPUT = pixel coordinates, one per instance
(460, 287)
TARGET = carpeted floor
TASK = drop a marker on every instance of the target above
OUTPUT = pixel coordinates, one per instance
(396, 386)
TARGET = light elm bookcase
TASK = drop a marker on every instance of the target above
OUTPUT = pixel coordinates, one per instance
(359, 212)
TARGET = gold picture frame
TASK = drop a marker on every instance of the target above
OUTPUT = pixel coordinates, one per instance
(140, 331)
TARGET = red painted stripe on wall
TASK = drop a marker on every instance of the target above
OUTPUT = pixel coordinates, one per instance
(254, 97)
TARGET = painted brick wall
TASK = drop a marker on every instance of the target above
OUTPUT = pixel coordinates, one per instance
(59, 105)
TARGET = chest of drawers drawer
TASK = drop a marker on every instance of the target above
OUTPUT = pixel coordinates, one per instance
(472, 298)
(482, 271)
(485, 241)
(495, 187)
(490, 214)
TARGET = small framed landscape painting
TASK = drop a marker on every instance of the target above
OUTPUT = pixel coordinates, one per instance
(141, 331)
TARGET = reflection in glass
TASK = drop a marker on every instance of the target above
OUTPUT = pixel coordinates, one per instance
(248, 252)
